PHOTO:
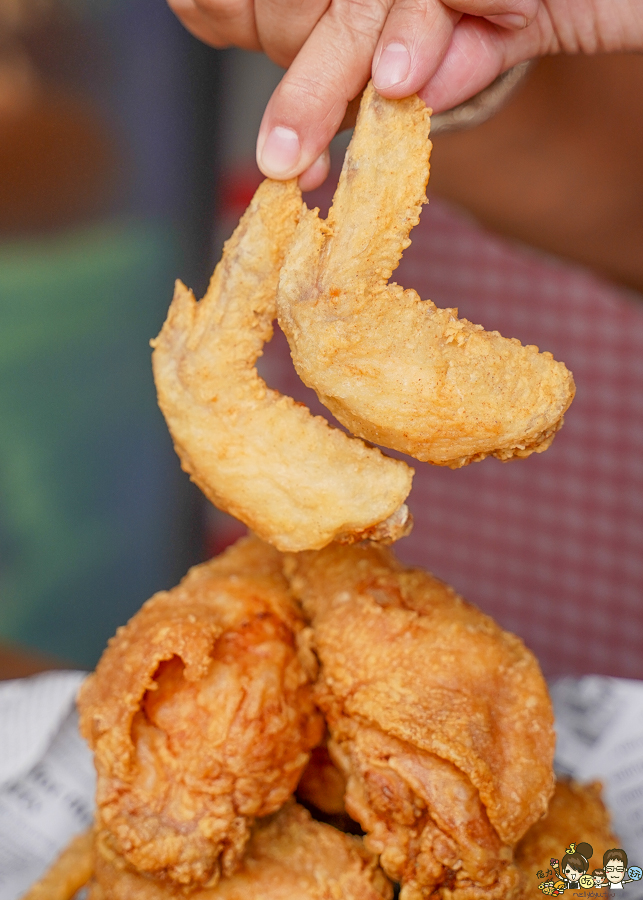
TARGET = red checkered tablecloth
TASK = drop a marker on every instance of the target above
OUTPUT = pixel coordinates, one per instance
(551, 546)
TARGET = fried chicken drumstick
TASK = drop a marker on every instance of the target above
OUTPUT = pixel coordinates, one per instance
(440, 721)
(288, 857)
(394, 369)
(201, 718)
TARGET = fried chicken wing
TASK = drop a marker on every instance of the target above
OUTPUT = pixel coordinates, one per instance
(440, 721)
(255, 453)
(576, 811)
(393, 369)
(289, 857)
(200, 715)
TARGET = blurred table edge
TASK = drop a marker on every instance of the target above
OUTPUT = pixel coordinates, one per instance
(19, 662)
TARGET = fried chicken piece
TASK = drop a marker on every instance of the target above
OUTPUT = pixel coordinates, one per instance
(68, 873)
(289, 857)
(440, 721)
(201, 717)
(393, 369)
(576, 811)
(254, 453)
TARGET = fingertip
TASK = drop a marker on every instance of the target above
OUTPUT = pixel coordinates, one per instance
(392, 66)
(279, 152)
(411, 47)
(316, 174)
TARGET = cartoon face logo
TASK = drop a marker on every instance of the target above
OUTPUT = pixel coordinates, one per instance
(615, 865)
(615, 873)
(572, 874)
(572, 871)
(599, 878)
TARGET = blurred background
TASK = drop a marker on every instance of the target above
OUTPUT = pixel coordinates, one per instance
(126, 158)
(108, 133)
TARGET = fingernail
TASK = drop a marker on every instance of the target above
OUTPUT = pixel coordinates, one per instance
(515, 21)
(280, 152)
(392, 66)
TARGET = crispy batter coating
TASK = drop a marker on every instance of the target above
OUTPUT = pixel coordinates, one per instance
(260, 456)
(201, 717)
(393, 369)
(576, 812)
(68, 873)
(440, 720)
(289, 857)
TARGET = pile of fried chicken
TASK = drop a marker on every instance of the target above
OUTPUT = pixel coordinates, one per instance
(432, 729)
(307, 661)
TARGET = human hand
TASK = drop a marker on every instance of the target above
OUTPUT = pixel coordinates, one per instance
(444, 50)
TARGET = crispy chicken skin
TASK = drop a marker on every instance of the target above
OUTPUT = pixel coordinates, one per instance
(289, 857)
(576, 812)
(255, 453)
(440, 721)
(394, 369)
(200, 715)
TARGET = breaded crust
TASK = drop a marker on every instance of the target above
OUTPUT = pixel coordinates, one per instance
(439, 720)
(576, 811)
(289, 857)
(394, 369)
(201, 717)
(255, 453)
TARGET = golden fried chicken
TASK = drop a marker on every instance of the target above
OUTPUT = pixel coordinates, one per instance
(255, 453)
(68, 873)
(393, 369)
(289, 857)
(576, 811)
(440, 721)
(201, 717)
